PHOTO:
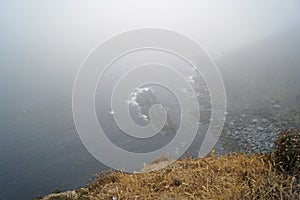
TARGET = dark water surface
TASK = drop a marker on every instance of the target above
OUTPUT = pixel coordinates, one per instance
(40, 150)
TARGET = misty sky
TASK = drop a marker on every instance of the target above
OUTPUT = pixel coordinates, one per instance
(57, 27)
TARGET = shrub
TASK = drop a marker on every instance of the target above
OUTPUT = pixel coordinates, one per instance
(287, 151)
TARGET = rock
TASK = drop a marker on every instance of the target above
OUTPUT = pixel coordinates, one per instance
(249, 129)
(260, 128)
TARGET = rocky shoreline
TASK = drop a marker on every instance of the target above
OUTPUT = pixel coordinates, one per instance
(254, 129)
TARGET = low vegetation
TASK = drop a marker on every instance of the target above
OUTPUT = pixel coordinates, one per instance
(287, 152)
(232, 176)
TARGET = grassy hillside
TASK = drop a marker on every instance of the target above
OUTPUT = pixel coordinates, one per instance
(233, 176)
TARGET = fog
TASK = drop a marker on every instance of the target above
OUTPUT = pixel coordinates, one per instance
(254, 43)
(50, 39)
(72, 28)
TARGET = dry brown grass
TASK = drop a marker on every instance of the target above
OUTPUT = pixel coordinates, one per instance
(233, 176)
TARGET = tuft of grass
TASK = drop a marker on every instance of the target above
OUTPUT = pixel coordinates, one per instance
(287, 152)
